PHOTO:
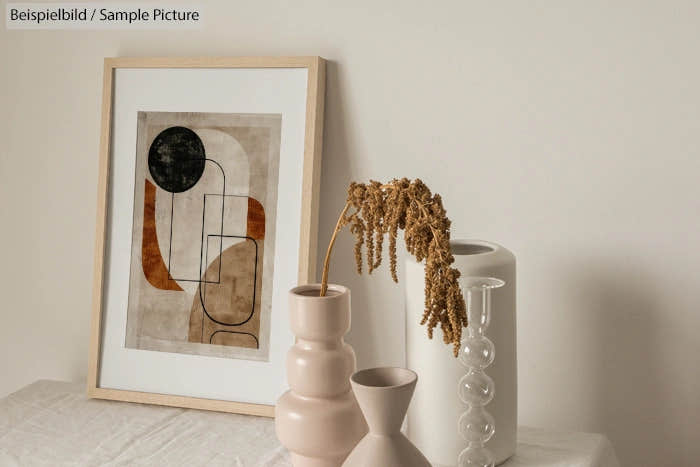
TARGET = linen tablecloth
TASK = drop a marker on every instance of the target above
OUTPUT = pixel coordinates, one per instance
(50, 423)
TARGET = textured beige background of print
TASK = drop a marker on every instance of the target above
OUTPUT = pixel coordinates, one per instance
(246, 146)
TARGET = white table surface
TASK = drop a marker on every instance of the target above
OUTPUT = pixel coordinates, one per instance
(50, 423)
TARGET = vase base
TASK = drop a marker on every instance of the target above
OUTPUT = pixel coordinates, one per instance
(303, 461)
(502, 460)
(386, 451)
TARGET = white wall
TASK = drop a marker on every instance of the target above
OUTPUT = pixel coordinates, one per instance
(567, 131)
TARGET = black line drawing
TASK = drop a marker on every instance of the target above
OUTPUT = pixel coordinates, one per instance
(201, 250)
(255, 283)
(257, 343)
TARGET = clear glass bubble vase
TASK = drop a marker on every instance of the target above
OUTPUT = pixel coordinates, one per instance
(476, 388)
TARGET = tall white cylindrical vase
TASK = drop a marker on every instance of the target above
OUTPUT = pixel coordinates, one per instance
(433, 415)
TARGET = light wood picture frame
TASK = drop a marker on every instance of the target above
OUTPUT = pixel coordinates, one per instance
(136, 109)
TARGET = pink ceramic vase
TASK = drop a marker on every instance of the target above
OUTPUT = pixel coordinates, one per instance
(318, 419)
(384, 395)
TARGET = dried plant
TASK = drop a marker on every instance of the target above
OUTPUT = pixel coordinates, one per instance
(380, 210)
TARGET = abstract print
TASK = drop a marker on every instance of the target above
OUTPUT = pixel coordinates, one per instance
(202, 251)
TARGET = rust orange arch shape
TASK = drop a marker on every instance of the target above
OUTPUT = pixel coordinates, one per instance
(152, 261)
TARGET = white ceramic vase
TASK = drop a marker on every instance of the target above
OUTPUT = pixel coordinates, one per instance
(436, 407)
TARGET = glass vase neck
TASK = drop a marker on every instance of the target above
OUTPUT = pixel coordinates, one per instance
(477, 294)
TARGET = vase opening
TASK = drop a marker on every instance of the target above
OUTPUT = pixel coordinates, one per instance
(314, 290)
(316, 293)
(384, 377)
(462, 248)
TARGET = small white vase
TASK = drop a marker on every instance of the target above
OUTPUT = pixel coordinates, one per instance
(384, 395)
(436, 407)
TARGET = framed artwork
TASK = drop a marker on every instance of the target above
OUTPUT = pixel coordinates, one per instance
(207, 216)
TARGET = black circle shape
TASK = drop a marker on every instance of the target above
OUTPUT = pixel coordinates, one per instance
(176, 159)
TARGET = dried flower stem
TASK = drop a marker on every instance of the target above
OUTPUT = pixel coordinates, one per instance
(338, 226)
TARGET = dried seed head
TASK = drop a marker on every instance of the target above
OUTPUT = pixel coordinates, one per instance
(382, 209)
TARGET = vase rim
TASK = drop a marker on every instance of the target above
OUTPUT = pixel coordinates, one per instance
(404, 377)
(480, 282)
(471, 247)
(299, 290)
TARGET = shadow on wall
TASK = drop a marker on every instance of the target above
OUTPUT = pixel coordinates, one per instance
(632, 397)
(335, 176)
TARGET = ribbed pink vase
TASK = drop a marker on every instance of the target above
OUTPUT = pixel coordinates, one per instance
(318, 419)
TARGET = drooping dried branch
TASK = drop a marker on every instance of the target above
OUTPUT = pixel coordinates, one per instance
(381, 210)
